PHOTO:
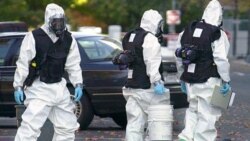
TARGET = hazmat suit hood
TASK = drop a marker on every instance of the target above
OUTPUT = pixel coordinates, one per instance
(52, 10)
(150, 20)
(213, 13)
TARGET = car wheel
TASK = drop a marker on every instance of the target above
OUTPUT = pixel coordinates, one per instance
(120, 119)
(83, 110)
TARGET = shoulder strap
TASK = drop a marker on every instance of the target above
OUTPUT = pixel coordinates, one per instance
(67, 39)
(40, 58)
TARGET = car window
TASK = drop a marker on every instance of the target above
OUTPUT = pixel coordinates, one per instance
(8, 50)
(100, 48)
(4, 47)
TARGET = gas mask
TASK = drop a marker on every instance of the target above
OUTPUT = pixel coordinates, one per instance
(221, 24)
(57, 25)
(187, 53)
(124, 59)
(221, 17)
(159, 31)
(220, 20)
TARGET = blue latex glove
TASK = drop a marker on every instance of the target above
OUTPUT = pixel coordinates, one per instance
(78, 93)
(225, 88)
(159, 88)
(18, 96)
(183, 87)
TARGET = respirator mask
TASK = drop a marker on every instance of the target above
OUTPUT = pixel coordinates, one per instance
(159, 31)
(57, 24)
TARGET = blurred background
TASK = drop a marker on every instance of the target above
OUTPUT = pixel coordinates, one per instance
(104, 16)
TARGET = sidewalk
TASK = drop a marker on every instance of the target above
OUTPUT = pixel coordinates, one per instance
(239, 65)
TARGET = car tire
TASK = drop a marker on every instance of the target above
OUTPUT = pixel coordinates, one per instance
(83, 111)
(87, 113)
(120, 119)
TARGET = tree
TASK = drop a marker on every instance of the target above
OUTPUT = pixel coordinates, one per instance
(106, 12)
(123, 12)
(11, 10)
(29, 11)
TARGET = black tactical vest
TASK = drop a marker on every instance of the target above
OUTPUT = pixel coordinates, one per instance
(139, 78)
(205, 66)
(51, 57)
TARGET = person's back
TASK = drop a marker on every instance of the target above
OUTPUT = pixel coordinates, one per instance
(144, 87)
(203, 57)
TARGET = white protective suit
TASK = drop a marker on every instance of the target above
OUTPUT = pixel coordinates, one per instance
(138, 100)
(201, 116)
(47, 100)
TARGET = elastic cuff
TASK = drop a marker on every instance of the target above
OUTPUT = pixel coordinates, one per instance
(158, 82)
(18, 88)
(225, 81)
(79, 85)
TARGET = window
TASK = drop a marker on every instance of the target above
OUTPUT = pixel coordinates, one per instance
(4, 47)
(8, 50)
(100, 48)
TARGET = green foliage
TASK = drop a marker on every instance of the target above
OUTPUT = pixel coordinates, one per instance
(11, 10)
(135, 10)
(29, 11)
(41, 4)
(127, 13)
(124, 12)
(188, 14)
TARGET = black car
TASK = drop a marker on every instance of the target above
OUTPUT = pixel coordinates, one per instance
(103, 80)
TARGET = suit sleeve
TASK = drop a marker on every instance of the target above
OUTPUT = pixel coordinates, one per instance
(179, 60)
(220, 51)
(26, 54)
(72, 65)
(152, 57)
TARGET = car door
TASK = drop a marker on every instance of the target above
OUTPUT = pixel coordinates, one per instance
(103, 79)
(9, 48)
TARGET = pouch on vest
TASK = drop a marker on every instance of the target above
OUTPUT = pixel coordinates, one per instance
(123, 59)
(55, 63)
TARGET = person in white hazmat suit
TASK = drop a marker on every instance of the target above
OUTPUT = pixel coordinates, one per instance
(144, 85)
(45, 54)
(203, 64)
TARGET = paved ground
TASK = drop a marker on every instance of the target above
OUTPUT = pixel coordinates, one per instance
(234, 124)
(101, 129)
